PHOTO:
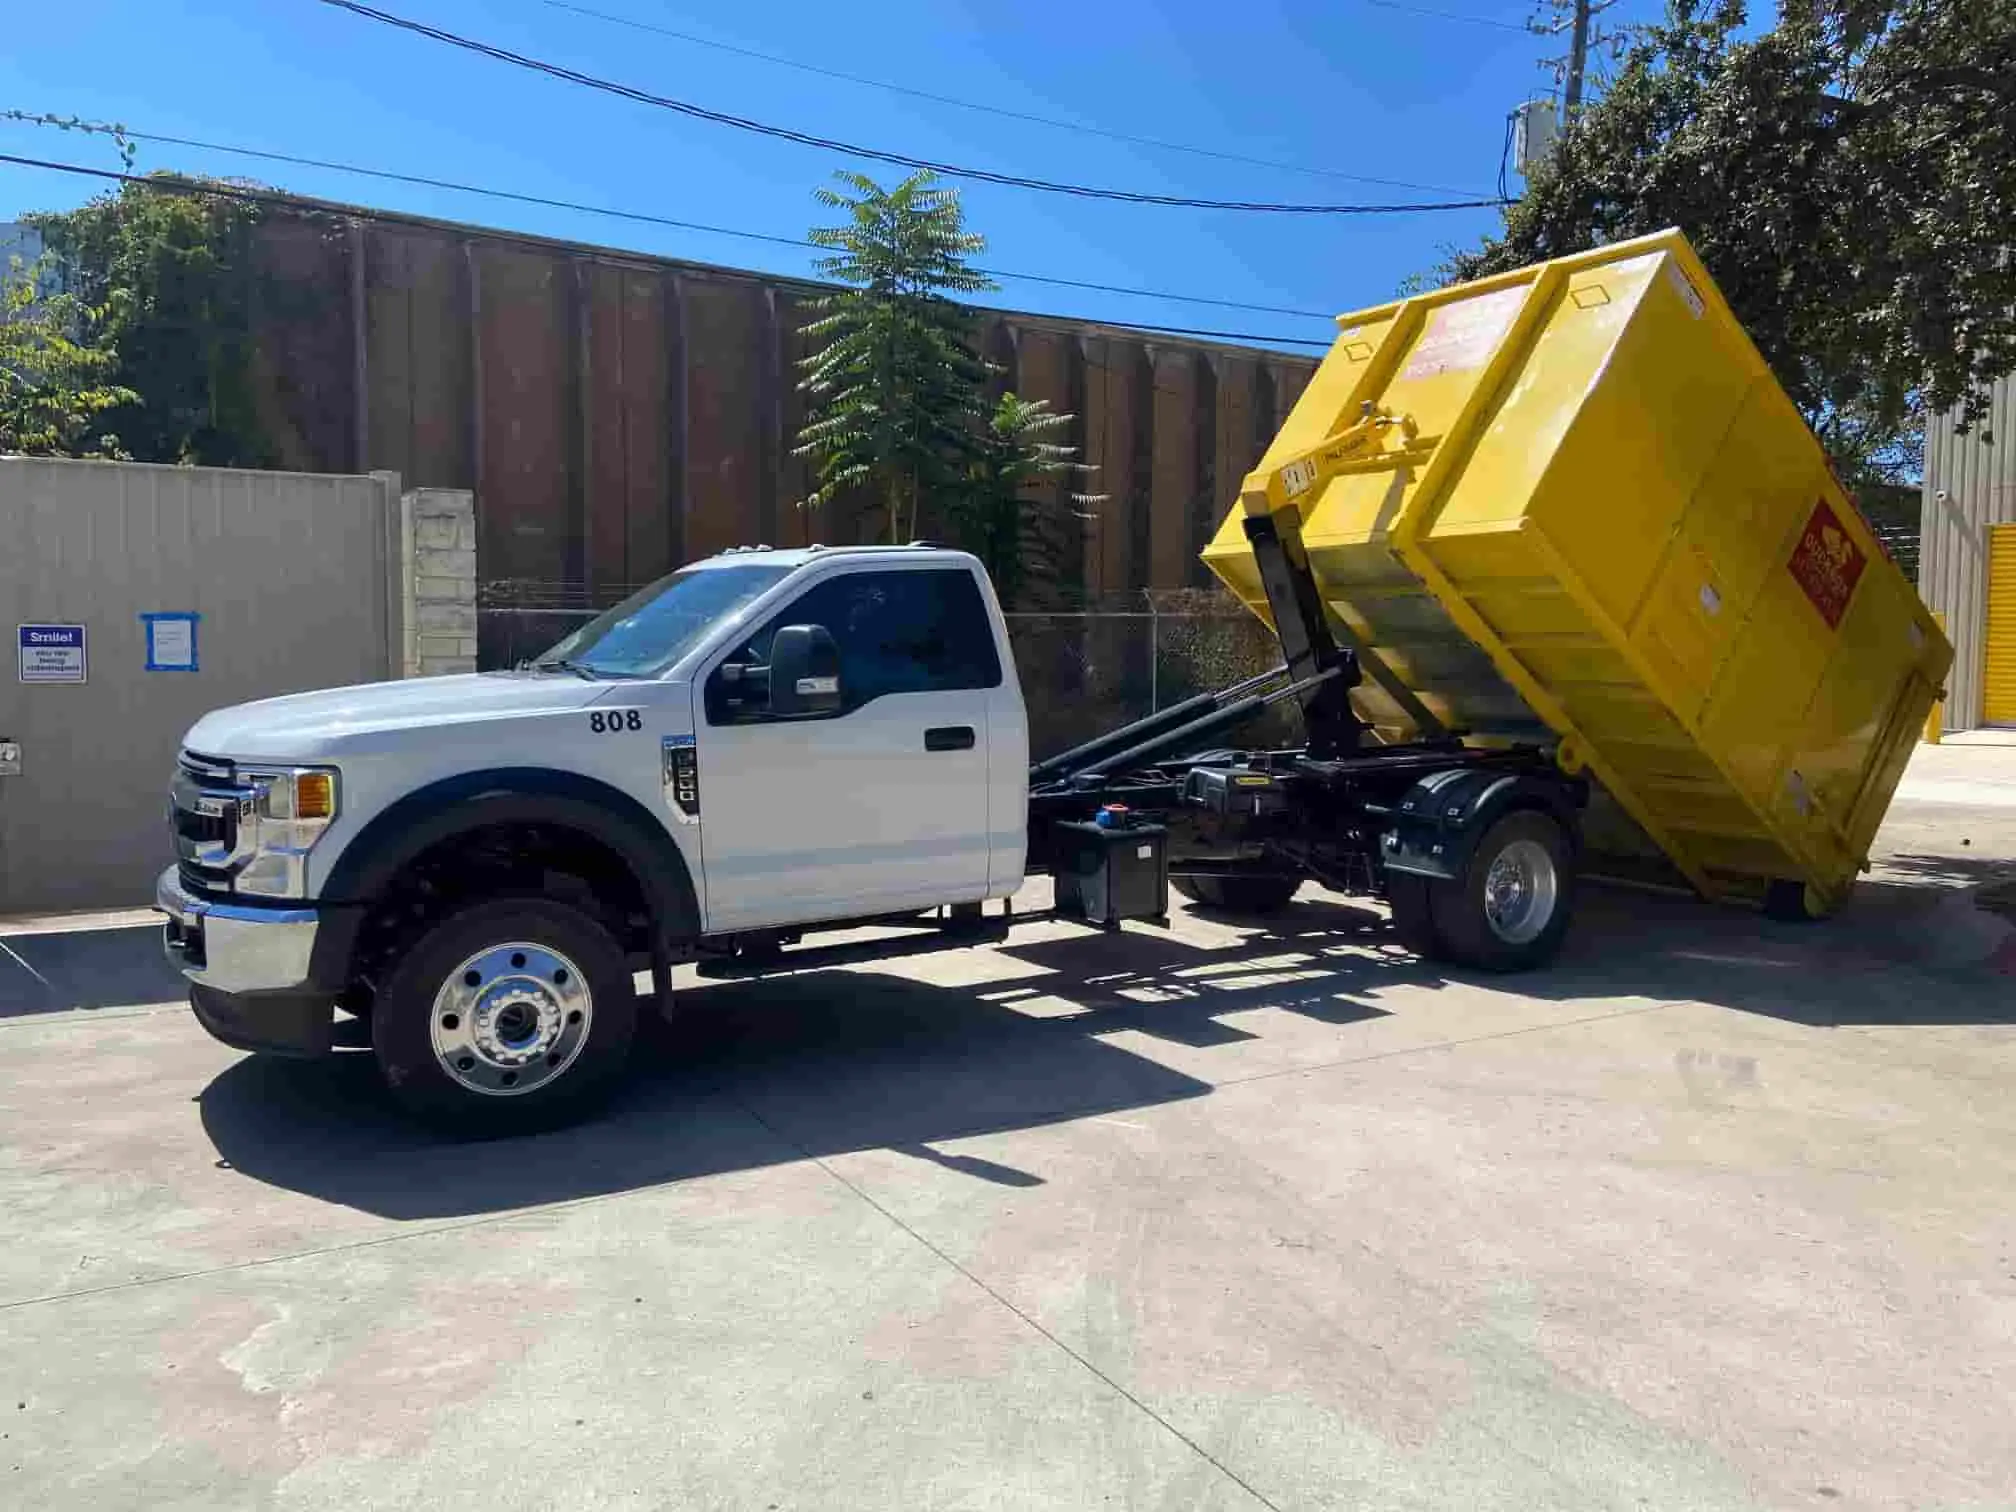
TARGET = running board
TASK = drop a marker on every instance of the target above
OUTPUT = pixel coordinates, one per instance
(957, 934)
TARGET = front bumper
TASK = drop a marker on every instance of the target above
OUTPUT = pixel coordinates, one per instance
(249, 970)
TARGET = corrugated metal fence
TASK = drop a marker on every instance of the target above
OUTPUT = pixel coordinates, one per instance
(1970, 485)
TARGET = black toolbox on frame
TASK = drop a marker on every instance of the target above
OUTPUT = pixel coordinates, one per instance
(1109, 872)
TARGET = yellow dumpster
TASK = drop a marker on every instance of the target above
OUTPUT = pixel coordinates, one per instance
(1571, 503)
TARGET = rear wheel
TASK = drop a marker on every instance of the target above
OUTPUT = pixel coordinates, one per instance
(1509, 909)
(1413, 913)
(506, 1017)
(1247, 895)
(1791, 901)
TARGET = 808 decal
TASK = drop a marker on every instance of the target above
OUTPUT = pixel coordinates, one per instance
(615, 721)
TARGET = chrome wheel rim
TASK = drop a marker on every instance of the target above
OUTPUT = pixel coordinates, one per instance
(511, 1019)
(1519, 891)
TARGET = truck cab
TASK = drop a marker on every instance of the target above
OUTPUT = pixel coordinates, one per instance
(761, 742)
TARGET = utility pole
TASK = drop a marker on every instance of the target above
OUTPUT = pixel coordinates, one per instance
(1534, 129)
(1578, 19)
(1578, 60)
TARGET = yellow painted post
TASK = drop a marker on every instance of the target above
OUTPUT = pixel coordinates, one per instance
(1935, 720)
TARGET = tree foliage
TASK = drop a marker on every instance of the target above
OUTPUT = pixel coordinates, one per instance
(895, 383)
(899, 414)
(994, 516)
(165, 274)
(1848, 176)
(55, 381)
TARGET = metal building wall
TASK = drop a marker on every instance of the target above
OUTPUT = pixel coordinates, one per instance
(616, 415)
(1970, 484)
(292, 577)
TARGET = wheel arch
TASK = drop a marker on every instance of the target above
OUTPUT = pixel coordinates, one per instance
(422, 821)
(1441, 818)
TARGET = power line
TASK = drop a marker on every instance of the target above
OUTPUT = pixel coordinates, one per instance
(998, 110)
(1442, 15)
(638, 216)
(875, 154)
(176, 184)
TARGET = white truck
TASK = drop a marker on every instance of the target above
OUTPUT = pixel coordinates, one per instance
(757, 746)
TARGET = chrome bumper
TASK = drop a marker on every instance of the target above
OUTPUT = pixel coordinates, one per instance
(231, 948)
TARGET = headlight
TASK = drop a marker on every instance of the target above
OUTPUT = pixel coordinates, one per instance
(291, 808)
(302, 795)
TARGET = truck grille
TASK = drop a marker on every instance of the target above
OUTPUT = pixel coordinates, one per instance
(203, 816)
(203, 829)
(206, 771)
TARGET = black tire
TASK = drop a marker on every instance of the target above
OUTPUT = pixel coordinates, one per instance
(1413, 914)
(511, 1052)
(1786, 900)
(1243, 895)
(1514, 935)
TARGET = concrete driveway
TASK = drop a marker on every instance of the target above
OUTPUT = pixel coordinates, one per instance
(1717, 1214)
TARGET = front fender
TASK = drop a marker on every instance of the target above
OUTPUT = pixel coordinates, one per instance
(475, 800)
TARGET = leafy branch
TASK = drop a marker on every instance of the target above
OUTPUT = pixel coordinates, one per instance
(1849, 178)
(129, 152)
(55, 381)
(899, 414)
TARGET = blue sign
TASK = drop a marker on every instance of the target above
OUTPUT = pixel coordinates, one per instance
(171, 642)
(50, 653)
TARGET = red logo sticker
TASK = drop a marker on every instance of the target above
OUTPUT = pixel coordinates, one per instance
(1828, 564)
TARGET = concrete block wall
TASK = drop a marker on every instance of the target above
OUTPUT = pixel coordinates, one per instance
(437, 535)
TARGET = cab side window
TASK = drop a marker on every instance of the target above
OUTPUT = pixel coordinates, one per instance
(918, 631)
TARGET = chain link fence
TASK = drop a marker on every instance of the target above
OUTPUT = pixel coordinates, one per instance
(1123, 656)
(1087, 668)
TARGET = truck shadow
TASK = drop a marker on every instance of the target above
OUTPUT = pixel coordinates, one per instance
(1047, 1029)
(760, 1072)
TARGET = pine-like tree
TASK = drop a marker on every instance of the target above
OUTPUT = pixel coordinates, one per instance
(896, 387)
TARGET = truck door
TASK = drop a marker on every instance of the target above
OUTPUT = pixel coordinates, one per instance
(877, 806)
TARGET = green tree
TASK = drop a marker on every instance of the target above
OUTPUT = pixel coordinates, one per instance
(1848, 176)
(55, 381)
(996, 517)
(896, 388)
(167, 274)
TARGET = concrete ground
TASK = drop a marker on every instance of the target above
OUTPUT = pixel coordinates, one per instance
(1717, 1214)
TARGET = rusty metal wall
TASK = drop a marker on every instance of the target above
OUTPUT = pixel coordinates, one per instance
(617, 415)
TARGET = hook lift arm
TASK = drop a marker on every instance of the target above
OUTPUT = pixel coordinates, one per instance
(1274, 528)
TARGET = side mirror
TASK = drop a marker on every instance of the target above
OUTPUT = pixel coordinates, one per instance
(804, 672)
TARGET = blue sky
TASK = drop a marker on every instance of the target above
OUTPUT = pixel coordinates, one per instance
(1342, 86)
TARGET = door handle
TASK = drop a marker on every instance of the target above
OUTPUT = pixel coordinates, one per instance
(949, 738)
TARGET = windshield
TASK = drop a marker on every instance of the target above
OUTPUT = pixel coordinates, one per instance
(654, 627)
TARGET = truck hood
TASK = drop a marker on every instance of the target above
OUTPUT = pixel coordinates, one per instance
(329, 723)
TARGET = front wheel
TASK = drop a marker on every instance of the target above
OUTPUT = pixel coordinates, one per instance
(1509, 909)
(506, 1017)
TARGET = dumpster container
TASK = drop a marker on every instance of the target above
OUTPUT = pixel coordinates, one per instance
(1571, 503)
